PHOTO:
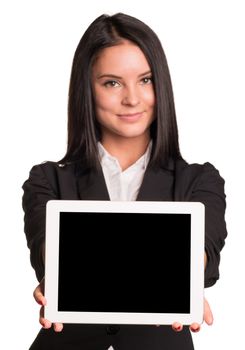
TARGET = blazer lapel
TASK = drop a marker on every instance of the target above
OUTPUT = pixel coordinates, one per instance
(157, 185)
(91, 185)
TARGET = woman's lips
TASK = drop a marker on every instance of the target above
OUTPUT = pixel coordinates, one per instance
(130, 117)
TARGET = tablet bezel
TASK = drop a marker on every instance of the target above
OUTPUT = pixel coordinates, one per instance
(54, 207)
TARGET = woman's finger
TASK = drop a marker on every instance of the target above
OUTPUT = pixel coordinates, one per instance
(208, 315)
(58, 327)
(45, 323)
(38, 295)
(177, 327)
(195, 327)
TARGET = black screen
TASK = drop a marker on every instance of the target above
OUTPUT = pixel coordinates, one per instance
(124, 262)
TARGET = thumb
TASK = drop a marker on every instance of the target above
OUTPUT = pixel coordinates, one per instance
(208, 315)
(38, 294)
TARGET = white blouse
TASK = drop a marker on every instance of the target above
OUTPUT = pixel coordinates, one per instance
(123, 185)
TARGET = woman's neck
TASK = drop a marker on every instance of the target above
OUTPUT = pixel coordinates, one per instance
(127, 151)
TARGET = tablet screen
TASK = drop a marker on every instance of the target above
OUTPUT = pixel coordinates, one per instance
(124, 262)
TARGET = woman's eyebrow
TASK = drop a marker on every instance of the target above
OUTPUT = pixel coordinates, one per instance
(109, 76)
(118, 77)
(146, 73)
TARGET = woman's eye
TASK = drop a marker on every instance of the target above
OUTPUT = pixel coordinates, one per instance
(146, 80)
(111, 83)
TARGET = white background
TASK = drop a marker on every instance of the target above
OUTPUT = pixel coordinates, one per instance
(204, 45)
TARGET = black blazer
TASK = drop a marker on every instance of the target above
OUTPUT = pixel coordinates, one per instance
(178, 182)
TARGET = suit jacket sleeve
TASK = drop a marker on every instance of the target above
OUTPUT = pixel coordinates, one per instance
(209, 189)
(37, 192)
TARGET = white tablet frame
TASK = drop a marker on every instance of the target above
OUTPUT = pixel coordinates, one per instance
(54, 207)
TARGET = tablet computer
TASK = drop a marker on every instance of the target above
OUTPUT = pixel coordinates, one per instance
(138, 262)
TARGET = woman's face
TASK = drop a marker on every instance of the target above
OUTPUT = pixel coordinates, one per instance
(123, 92)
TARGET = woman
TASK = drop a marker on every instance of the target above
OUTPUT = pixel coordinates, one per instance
(122, 145)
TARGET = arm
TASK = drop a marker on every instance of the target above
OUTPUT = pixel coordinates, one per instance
(37, 192)
(209, 189)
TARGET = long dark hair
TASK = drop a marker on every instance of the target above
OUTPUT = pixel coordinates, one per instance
(83, 129)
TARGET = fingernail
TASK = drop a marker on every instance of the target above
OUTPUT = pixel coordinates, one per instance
(196, 329)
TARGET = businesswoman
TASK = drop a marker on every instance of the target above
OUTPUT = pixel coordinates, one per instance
(122, 145)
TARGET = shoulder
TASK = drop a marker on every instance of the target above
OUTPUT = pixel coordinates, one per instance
(49, 173)
(48, 165)
(51, 168)
(193, 178)
(43, 171)
(195, 170)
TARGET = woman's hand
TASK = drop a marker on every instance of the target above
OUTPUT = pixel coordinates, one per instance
(195, 327)
(40, 299)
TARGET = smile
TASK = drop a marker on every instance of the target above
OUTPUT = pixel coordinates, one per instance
(130, 117)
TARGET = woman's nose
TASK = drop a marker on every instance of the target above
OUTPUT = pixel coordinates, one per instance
(130, 97)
